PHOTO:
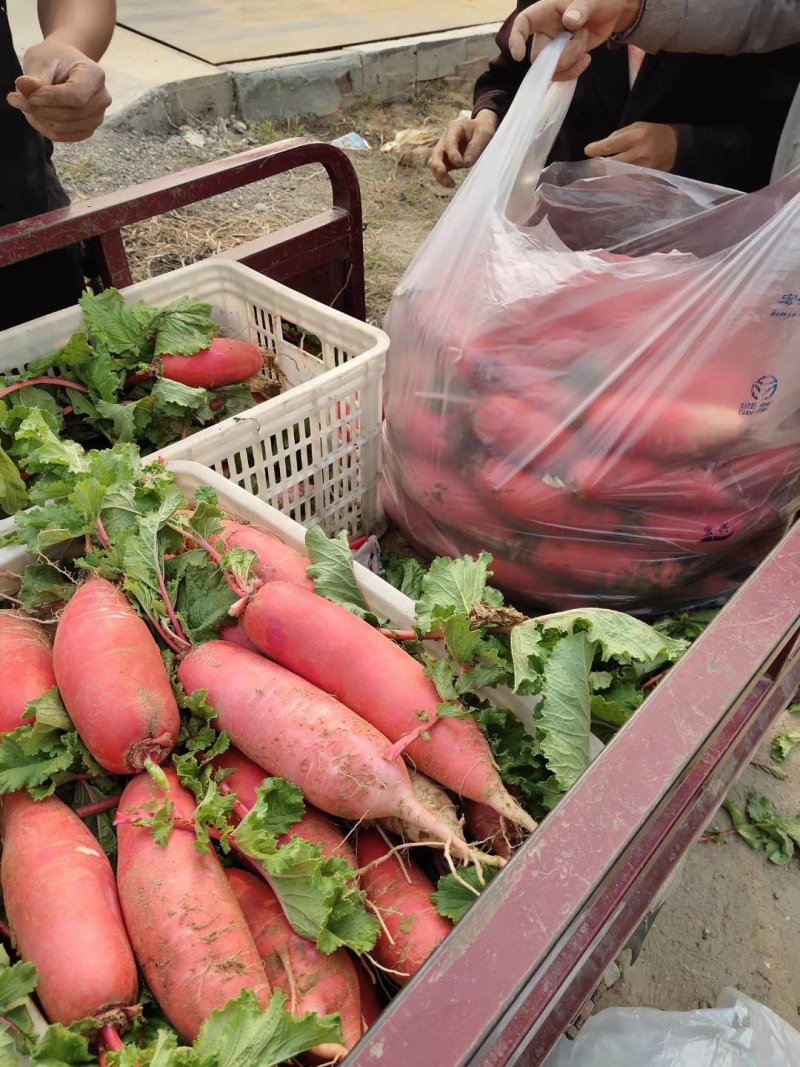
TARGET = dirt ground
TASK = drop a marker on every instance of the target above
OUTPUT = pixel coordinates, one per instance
(733, 918)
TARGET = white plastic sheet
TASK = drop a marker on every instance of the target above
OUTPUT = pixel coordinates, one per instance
(593, 374)
(739, 1032)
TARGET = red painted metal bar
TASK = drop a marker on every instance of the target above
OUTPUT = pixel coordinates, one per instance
(322, 257)
(517, 970)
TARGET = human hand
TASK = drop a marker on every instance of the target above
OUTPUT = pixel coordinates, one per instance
(591, 22)
(461, 145)
(62, 93)
(645, 144)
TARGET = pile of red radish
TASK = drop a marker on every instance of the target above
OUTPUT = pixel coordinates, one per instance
(302, 710)
(648, 487)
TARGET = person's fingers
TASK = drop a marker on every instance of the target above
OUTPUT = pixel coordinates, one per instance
(32, 105)
(455, 140)
(476, 146)
(618, 141)
(548, 20)
(81, 83)
(573, 72)
(438, 165)
(26, 84)
(633, 156)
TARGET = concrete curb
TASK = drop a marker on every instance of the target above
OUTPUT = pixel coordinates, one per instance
(310, 86)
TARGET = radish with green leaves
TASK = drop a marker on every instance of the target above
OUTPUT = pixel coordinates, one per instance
(341, 763)
(380, 681)
(64, 913)
(413, 929)
(245, 779)
(187, 930)
(113, 681)
(311, 980)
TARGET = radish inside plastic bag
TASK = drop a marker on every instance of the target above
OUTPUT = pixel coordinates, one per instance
(594, 375)
(739, 1032)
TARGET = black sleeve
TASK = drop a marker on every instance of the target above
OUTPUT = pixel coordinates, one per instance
(497, 86)
(729, 155)
(739, 151)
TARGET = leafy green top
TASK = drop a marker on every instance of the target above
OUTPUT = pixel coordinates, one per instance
(116, 399)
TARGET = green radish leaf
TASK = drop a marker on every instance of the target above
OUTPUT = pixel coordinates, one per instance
(621, 637)
(42, 584)
(13, 494)
(17, 982)
(183, 328)
(453, 899)
(517, 754)
(213, 810)
(242, 1035)
(528, 655)
(455, 587)
(782, 744)
(615, 706)
(76, 352)
(463, 643)
(61, 1046)
(564, 712)
(404, 574)
(33, 757)
(49, 710)
(333, 572)
(201, 595)
(42, 448)
(279, 806)
(320, 897)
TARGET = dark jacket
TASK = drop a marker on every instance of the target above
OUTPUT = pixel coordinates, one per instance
(728, 111)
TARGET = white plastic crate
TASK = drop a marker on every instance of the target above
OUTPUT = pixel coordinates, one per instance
(314, 449)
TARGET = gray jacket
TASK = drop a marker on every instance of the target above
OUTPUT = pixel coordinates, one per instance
(726, 27)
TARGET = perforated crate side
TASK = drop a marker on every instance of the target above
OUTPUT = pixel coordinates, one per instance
(313, 453)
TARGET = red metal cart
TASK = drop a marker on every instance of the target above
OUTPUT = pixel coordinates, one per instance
(519, 968)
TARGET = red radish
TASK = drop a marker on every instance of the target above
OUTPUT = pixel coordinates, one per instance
(296, 731)
(519, 428)
(27, 664)
(662, 429)
(62, 906)
(315, 827)
(380, 681)
(186, 927)
(703, 531)
(760, 475)
(311, 980)
(371, 1006)
(224, 362)
(625, 480)
(402, 894)
(234, 632)
(275, 559)
(113, 681)
(491, 830)
(416, 427)
(527, 581)
(539, 507)
(448, 498)
(618, 569)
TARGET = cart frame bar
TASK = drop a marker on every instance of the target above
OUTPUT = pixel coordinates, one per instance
(322, 257)
(520, 966)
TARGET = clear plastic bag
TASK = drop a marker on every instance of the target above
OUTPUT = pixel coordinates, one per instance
(739, 1032)
(593, 374)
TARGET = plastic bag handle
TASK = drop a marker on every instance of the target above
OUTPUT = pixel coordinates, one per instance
(509, 169)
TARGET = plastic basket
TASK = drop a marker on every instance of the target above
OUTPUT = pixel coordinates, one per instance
(315, 448)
